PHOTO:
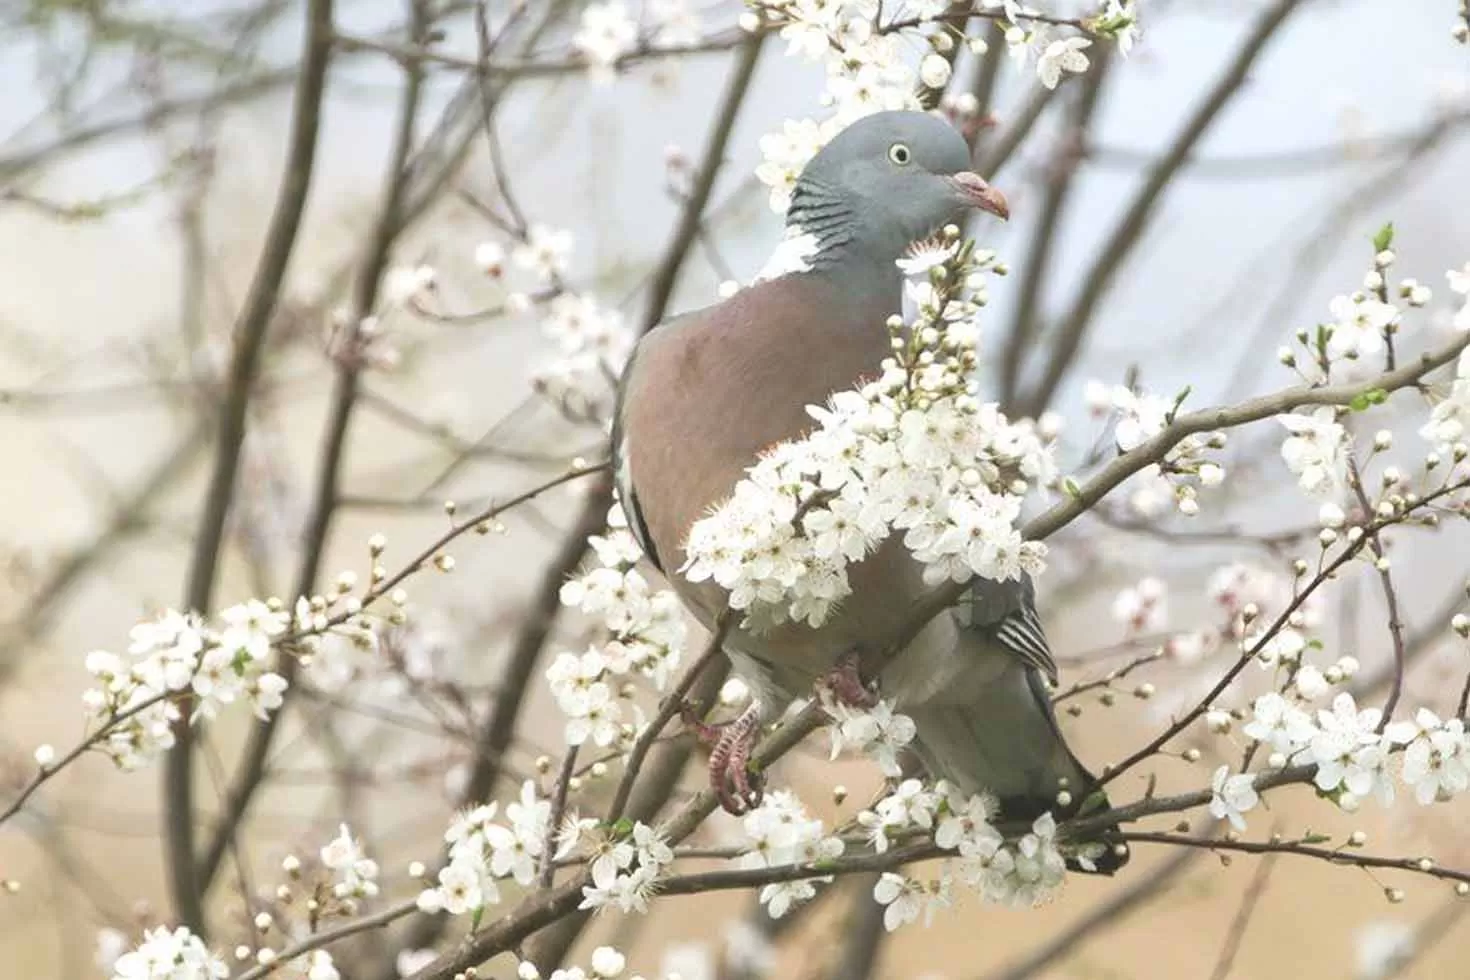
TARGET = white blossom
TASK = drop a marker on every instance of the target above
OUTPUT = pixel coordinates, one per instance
(1143, 607)
(907, 900)
(1358, 326)
(1278, 723)
(165, 955)
(877, 731)
(1449, 420)
(604, 34)
(1060, 57)
(356, 873)
(1436, 757)
(1232, 796)
(1316, 451)
(1349, 752)
(1382, 948)
(545, 252)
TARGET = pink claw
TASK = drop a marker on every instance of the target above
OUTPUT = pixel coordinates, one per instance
(729, 774)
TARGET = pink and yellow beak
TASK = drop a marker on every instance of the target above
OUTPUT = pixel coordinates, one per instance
(981, 195)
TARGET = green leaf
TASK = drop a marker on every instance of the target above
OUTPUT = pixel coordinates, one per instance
(1366, 399)
(622, 828)
(475, 919)
(1384, 238)
(1071, 489)
(1312, 837)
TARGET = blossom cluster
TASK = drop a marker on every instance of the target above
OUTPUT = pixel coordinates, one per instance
(483, 852)
(873, 65)
(1448, 428)
(914, 451)
(645, 629)
(781, 832)
(356, 873)
(592, 341)
(1351, 344)
(593, 344)
(1025, 872)
(1139, 416)
(165, 955)
(607, 32)
(178, 655)
(1352, 751)
(878, 731)
(626, 862)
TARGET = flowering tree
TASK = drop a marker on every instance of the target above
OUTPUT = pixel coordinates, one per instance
(960, 449)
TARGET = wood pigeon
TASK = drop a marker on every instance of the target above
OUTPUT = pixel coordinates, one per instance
(705, 393)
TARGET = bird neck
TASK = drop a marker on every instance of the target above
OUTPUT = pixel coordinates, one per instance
(851, 247)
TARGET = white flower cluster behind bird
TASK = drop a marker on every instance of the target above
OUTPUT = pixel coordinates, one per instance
(646, 634)
(877, 731)
(483, 851)
(913, 452)
(593, 344)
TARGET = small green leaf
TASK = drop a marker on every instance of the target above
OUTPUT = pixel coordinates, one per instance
(1384, 238)
(1315, 838)
(622, 828)
(1071, 489)
(475, 919)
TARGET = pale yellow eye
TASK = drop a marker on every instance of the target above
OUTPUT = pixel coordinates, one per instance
(899, 154)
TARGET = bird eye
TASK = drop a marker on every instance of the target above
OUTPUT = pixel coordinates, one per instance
(899, 154)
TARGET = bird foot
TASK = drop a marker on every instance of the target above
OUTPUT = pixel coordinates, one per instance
(844, 682)
(737, 788)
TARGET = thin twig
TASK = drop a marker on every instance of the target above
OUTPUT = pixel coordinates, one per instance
(1390, 598)
(45, 775)
(558, 811)
(326, 937)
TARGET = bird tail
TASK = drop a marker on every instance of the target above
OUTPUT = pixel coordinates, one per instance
(1001, 736)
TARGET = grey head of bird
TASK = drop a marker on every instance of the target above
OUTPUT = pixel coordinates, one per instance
(883, 183)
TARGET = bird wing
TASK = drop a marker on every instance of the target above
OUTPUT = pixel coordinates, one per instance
(1006, 612)
(622, 465)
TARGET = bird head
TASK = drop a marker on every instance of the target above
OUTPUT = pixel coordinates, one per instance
(890, 179)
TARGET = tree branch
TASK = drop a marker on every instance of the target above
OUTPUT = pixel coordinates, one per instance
(249, 339)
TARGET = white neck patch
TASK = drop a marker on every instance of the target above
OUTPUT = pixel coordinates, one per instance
(793, 254)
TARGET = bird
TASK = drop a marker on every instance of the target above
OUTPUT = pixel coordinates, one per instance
(706, 393)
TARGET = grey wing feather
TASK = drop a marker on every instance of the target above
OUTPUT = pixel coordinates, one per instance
(1006, 611)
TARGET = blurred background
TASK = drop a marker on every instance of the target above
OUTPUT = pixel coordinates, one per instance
(141, 153)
